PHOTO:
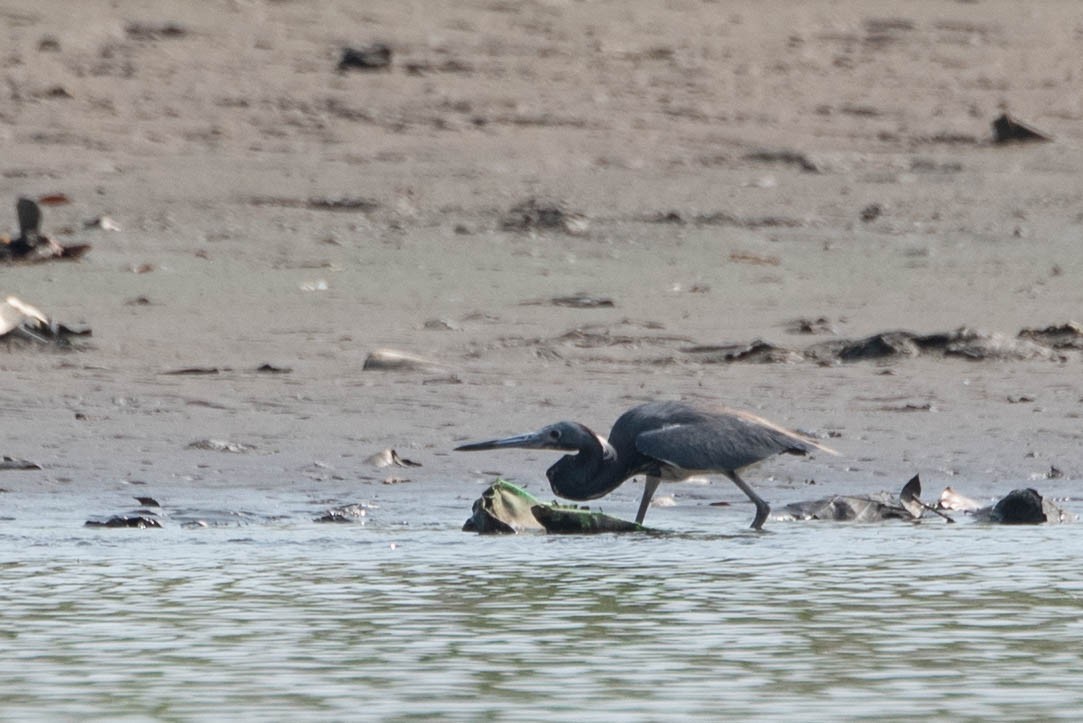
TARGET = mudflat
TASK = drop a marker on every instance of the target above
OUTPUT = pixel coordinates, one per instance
(561, 208)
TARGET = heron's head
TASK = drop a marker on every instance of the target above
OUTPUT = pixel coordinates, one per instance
(574, 476)
(562, 436)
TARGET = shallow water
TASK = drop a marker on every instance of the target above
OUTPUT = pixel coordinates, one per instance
(268, 615)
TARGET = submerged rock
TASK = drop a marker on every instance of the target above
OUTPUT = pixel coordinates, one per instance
(140, 521)
(1018, 507)
(505, 508)
(1023, 507)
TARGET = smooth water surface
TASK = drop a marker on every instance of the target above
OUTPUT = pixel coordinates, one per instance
(275, 617)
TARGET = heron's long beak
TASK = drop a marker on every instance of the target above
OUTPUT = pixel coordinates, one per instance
(533, 440)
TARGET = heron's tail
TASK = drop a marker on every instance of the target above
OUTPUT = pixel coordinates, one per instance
(813, 445)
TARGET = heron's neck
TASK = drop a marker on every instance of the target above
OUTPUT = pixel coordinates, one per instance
(596, 452)
(591, 473)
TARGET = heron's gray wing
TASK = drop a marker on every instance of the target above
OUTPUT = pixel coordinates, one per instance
(720, 442)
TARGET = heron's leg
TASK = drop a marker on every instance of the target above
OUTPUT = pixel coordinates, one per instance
(762, 508)
(649, 486)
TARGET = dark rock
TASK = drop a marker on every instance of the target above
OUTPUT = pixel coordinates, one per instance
(155, 31)
(1020, 507)
(795, 158)
(362, 205)
(1009, 130)
(193, 371)
(371, 57)
(673, 217)
(871, 212)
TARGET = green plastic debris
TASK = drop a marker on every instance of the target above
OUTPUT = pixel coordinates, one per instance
(506, 509)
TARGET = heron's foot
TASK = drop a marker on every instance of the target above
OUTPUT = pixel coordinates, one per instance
(762, 511)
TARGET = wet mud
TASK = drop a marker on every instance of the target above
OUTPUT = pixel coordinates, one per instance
(532, 213)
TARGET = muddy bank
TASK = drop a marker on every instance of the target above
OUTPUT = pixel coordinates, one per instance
(539, 202)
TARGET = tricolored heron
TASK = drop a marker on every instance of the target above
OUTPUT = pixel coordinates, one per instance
(663, 441)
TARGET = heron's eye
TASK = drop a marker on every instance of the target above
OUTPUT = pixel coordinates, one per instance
(554, 434)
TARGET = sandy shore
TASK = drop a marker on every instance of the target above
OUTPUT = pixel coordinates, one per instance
(729, 170)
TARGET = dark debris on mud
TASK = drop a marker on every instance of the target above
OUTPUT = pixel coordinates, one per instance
(964, 343)
(1056, 343)
(1050, 344)
(538, 215)
(1011, 130)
